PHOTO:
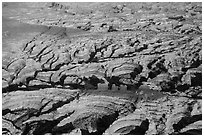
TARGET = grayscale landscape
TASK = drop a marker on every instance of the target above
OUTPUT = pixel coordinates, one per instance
(102, 68)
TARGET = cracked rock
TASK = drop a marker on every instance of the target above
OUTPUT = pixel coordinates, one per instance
(72, 68)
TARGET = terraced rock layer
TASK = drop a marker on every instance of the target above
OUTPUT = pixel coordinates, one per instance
(103, 68)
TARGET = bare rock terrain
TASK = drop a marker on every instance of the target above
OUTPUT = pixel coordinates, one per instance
(102, 68)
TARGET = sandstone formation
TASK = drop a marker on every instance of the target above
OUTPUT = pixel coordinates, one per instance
(104, 69)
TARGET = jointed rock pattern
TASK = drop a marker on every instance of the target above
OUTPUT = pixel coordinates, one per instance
(121, 69)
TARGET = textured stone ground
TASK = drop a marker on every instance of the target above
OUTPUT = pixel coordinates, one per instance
(102, 68)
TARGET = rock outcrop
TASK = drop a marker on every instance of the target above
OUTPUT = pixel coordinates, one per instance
(105, 69)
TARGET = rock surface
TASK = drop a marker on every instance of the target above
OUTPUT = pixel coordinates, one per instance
(103, 69)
